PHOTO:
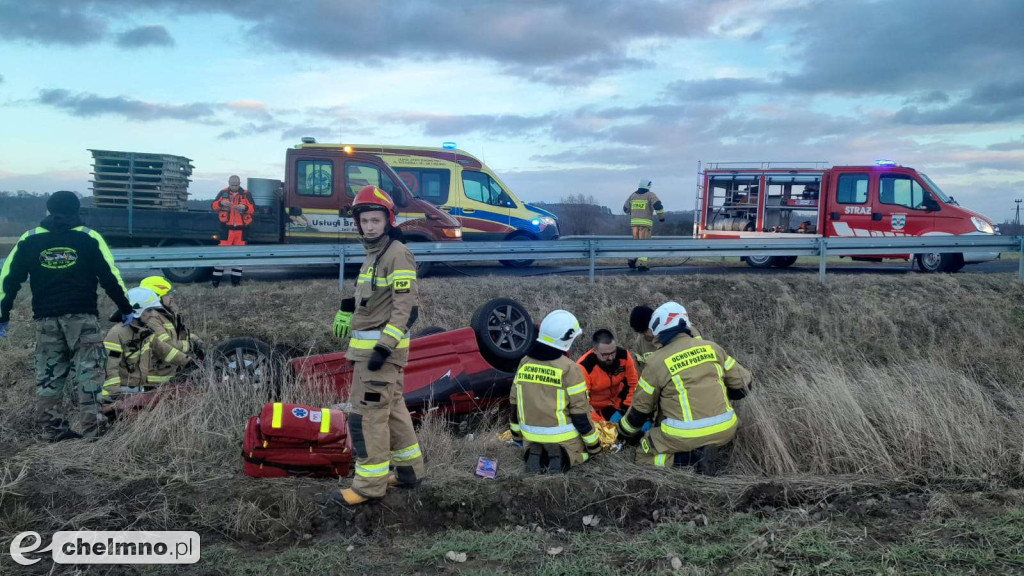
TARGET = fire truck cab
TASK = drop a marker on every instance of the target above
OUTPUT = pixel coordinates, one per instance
(772, 199)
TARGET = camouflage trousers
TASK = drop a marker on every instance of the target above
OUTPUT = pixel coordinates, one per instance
(69, 346)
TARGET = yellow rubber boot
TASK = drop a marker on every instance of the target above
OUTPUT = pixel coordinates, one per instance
(348, 497)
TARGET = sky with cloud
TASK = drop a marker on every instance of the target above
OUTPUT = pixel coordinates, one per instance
(558, 97)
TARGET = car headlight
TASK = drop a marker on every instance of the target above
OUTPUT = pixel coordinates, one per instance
(547, 221)
(982, 226)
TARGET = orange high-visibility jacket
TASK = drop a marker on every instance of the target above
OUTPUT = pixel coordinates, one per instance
(615, 388)
(239, 213)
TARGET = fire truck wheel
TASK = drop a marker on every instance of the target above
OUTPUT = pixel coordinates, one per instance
(760, 261)
(935, 262)
(784, 261)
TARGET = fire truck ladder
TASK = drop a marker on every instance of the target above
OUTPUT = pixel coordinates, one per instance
(761, 165)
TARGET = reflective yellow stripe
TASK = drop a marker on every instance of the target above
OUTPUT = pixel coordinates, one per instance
(590, 438)
(113, 347)
(369, 344)
(406, 454)
(641, 222)
(171, 355)
(325, 421)
(514, 427)
(275, 422)
(519, 404)
(560, 408)
(689, 358)
(10, 258)
(625, 425)
(646, 387)
(112, 381)
(373, 470)
(585, 456)
(684, 398)
(163, 337)
(107, 256)
(550, 438)
(729, 421)
(158, 379)
(539, 374)
(729, 363)
(659, 460)
(168, 326)
(577, 389)
(721, 383)
(394, 332)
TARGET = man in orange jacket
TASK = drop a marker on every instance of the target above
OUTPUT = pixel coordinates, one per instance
(234, 209)
(611, 376)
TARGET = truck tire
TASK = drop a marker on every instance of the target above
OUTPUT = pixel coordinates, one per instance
(250, 362)
(760, 261)
(784, 261)
(185, 275)
(504, 332)
(518, 263)
(933, 262)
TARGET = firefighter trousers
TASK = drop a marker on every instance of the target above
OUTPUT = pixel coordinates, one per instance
(573, 450)
(640, 233)
(381, 430)
(234, 237)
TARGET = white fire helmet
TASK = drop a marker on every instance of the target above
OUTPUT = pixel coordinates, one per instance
(559, 329)
(668, 316)
(645, 184)
(143, 299)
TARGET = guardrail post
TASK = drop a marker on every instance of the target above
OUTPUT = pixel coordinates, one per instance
(341, 270)
(1020, 261)
(593, 254)
(823, 254)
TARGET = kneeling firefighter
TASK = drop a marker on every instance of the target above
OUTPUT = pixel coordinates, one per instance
(128, 349)
(686, 388)
(550, 409)
(173, 319)
(378, 320)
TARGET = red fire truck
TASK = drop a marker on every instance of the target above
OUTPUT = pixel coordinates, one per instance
(777, 199)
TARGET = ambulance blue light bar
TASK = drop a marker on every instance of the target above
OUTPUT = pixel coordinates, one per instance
(448, 145)
(885, 163)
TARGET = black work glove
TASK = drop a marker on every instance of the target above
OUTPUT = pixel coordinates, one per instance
(380, 354)
(348, 305)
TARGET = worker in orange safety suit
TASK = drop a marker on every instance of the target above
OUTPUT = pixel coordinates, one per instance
(611, 376)
(234, 208)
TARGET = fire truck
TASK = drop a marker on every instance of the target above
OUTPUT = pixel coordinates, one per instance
(780, 199)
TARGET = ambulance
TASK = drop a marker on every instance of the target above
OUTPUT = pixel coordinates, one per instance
(772, 200)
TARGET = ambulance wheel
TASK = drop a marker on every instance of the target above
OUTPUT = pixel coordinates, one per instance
(760, 261)
(504, 331)
(518, 263)
(248, 361)
(935, 262)
(784, 261)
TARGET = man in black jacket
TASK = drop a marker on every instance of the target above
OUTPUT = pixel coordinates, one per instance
(64, 261)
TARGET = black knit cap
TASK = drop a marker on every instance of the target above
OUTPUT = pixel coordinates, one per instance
(640, 318)
(63, 203)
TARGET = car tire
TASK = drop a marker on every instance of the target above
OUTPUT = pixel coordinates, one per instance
(760, 261)
(248, 361)
(784, 261)
(518, 263)
(933, 262)
(504, 332)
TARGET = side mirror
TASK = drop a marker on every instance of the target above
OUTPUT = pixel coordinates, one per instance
(930, 204)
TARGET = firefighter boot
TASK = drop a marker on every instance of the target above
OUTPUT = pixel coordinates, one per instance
(404, 478)
(533, 458)
(349, 497)
(558, 463)
(632, 263)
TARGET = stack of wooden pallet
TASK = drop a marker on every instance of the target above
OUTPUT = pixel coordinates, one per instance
(146, 181)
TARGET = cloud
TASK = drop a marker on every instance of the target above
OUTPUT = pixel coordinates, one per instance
(87, 105)
(1017, 144)
(251, 129)
(453, 125)
(144, 36)
(49, 22)
(987, 104)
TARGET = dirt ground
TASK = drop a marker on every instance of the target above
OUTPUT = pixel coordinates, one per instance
(884, 435)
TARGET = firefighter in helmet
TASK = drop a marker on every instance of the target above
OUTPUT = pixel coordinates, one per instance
(551, 413)
(686, 389)
(126, 347)
(641, 206)
(234, 208)
(172, 315)
(377, 322)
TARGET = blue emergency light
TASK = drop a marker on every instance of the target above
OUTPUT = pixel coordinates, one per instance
(885, 163)
(448, 145)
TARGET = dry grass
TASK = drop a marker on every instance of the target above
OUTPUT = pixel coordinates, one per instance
(868, 380)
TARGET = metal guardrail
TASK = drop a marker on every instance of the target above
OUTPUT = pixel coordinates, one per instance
(582, 248)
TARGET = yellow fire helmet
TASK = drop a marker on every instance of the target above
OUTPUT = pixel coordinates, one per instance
(157, 284)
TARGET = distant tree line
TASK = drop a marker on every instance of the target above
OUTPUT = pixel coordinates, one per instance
(581, 215)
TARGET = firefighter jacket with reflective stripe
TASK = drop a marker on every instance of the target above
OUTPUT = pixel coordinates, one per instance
(549, 402)
(63, 263)
(641, 207)
(386, 302)
(612, 386)
(684, 387)
(127, 357)
(166, 354)
(239, 213)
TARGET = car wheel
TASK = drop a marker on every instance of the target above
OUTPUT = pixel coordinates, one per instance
(504, 331)
(760, 261)
(784, 261)
(250, 362)
(935, 262)
(518, 263)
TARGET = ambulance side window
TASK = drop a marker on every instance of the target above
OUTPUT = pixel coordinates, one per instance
(314, 178)
(901, 191)
(852, 189)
